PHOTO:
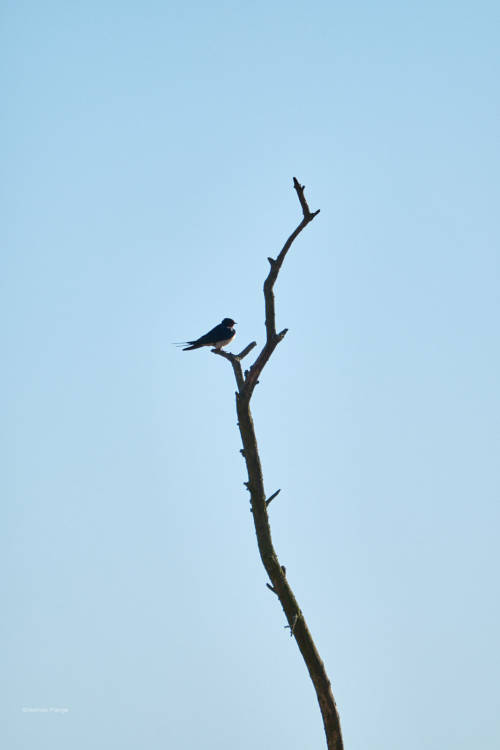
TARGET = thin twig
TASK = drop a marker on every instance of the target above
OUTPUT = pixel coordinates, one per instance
(246, 350)
(270, 499)
(292, 626)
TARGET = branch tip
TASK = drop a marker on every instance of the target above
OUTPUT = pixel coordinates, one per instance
(308, 216)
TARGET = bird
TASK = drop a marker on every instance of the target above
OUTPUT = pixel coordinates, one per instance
(220, 336)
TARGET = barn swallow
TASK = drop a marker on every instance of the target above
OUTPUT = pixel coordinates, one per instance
(220, 336)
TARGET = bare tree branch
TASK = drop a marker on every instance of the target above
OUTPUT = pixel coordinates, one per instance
(255, 485)
(273, 338)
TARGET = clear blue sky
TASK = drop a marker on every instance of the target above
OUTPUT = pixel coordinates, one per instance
(148, 150)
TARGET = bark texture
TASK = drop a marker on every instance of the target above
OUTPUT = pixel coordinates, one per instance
(246, 383)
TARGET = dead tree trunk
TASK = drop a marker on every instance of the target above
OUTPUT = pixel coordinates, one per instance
(246, 383)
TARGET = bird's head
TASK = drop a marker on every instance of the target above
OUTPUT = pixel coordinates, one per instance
(228, 322)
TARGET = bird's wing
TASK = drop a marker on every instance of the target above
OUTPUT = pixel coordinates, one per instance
(210, 337)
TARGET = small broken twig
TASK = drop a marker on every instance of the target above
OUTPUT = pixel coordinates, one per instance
(270, 499)
(292, 626)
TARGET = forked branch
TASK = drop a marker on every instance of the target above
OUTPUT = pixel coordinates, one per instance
(235, 360)
(279, 584)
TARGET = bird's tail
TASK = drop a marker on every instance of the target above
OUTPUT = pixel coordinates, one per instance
(193, 345)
